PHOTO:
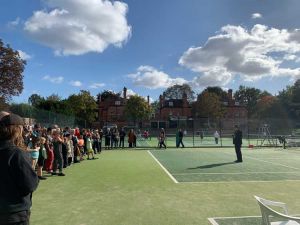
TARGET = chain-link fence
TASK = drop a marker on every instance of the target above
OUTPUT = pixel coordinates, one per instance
(271, 132)
(46, 118)
(198, 132)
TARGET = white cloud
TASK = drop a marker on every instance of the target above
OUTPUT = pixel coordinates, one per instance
(14, 23)
(238, 51)
(75, 27)
(75, 83)
(151, 100)
(24, 55)
(256, 16)
(149, 77)
(96, 85)
(55, 80)
(130, 92)
(289, 57)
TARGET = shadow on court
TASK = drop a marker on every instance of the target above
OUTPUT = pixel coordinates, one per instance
(211, 165)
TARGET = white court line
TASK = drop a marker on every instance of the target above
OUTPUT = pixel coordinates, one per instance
(167, 172)
(179, 174)
(213, 222)
(236, 181)
(278, 164)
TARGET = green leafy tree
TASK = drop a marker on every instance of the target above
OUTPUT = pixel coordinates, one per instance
(177, 91)
(218, 91)
(108, 94)
(83, 106)
(270, 110)
(11, 72)
(3, 105)
(248, 96)
(208, 105)
(137, 109)
(54, 98)
(290, 99)
(23, 109)
(35, 100)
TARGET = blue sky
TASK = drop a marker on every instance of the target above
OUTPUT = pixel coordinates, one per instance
(147, 46)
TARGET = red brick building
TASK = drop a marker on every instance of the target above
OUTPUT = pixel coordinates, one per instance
(172, 112)
(235, 113)
(111, 109)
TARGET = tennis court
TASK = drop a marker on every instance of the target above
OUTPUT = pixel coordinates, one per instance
(217, 166)
(131, 187)
(207, 165)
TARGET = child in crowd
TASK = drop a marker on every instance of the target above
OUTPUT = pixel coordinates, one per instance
(33, 149)
(49, 150)
(41, 159)
(70, 149)
(89, 147)
(81, 146)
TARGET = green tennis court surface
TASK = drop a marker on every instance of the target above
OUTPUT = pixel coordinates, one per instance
(129, 187)
(217, 165)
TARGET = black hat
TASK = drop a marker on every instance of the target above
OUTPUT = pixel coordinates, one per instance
(12, 119)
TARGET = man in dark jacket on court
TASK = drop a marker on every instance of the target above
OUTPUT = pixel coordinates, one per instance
(237, 141)
(18, 179)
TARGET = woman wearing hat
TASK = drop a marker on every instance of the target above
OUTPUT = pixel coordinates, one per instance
(18, 179)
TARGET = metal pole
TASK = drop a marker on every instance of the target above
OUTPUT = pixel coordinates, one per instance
(193, 133)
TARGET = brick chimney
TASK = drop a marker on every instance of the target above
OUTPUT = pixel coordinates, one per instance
(185, 100)
(148, 99)
(229, 95)
(125, 93)
(161, 101)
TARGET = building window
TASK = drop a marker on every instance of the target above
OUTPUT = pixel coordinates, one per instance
(117, 103)
(170, 104)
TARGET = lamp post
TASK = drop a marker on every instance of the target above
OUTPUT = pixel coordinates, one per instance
(192, 120)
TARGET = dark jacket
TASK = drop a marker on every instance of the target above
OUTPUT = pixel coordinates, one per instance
(18, 180)
(237, 137)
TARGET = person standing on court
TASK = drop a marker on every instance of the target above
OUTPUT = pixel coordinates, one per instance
(237, 141)
(216, 136)
(18, 179)
(162, 138)
(180, 138)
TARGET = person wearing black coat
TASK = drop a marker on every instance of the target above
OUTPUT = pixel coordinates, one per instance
(237, 141)
(18, 179)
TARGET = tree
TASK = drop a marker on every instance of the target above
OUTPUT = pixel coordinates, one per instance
(23, 109)
(83, 106)
(35, 100)
(270, 110)
(208, 105)
(3, 105)
(54, 97)
(177, 91)
(248, 97)
(137, 109)
(154, 106)
(11, 69)
(218, 91)
(108, 94)
(290, 99)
